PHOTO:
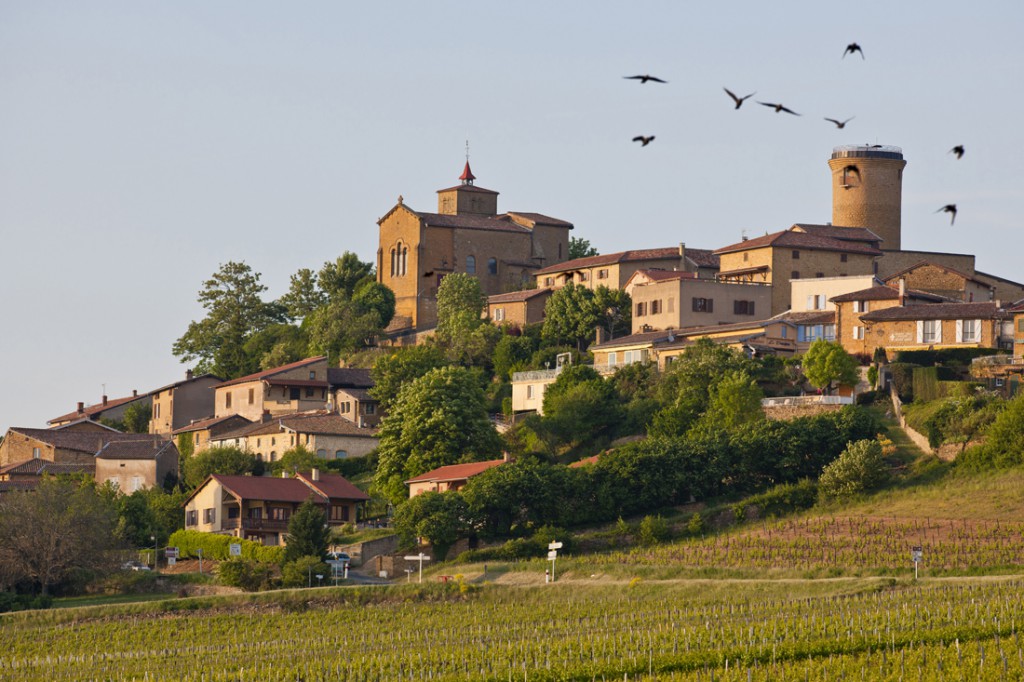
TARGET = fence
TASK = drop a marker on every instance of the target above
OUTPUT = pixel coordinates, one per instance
(804, 400)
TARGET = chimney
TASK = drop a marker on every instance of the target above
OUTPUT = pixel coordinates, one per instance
(284, 474)
(188, 375)
(682, 256)
(104, 400)
(315, 474)
(81, 408)
(135, 393)
(599, 335)
(903, 289)
(265, 417)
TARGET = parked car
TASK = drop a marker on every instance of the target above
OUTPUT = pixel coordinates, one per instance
(134, 566)
(340, 556)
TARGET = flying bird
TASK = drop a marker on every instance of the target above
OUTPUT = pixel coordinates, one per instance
(644, 78)
(951, 210)
(841, 124)
(958, 150)
(738, 100)
(644, 141)
(778, 108)
(851, 48)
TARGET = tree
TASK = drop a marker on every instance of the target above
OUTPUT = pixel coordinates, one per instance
(224, 460)
(438, 419)
(234, 312)
(439, 518)
(1004, 440)
(308, 534)
(303, 572)
(48, 534)
(276, 345)
(735, 400)
(391, 372)
(340, 278)
(294, 460)
(460, 306)
(377, 300)
(303, 296)
(580, 405)
(580, 248)
(615, 309)
(570, 316)
(512, 354)
(136, 417)
(826, 363)
(859, 468)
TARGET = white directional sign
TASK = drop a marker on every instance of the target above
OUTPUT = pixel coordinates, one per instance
(421, 557)
(171, 552)
(552, 555)
(553, 548)
(555, 545)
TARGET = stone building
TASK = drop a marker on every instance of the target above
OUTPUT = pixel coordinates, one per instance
(518, 308)
(295, 387)
(417, 249)
(665, 299)
(944, 281)
(613, 270)
(182, 402)
(137, 465)
(110, 409)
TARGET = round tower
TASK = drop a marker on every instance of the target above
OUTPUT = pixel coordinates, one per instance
(867, 184)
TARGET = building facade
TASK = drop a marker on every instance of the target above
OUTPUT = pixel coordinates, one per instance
(183, 402)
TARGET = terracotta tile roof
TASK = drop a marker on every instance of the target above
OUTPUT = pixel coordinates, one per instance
(17, 486)
(539, 219)
(743, 271)
(456, 472)
(343, 377)
(303, 383)
(95, 411)
(211, 422)
(637, 339)
(946, 268)
(267, 488)
(518, 296)
(658, 275)
(1017, 307)
(609, 258)
(801, 240)
(333, 486)
(807, 317)
(938, 311)
(267, 373)
(319, 423)
(703, 258)
(473, 222)
(884, 293)
(979, 273)
(360, 394)
(81, 441)
(39, 467)
(855, 234)
(83, 420)
(176, 384)
(137, 450)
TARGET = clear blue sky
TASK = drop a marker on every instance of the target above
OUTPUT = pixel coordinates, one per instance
(143, 144)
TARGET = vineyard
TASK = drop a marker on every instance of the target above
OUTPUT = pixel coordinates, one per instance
(872, 628)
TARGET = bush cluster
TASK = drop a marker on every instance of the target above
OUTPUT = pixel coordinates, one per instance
(216, 547)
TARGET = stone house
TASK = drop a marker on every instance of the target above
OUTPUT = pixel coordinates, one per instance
(350, 395)
(518, 308)
(137, 465)
(666, 299)
(62, 446)
(417, 249)
(202, 431)
(451, 477)
(183, 402)
(850, 306)
(295, 387)
(943, 281)
(111, 409)
(258, 508)
(932, 326)
(328, 434)
(29, 472)
(613, 270)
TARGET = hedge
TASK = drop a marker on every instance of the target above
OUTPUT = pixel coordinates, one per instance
(215, 546)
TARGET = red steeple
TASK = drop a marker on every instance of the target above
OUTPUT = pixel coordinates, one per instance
(467, 176)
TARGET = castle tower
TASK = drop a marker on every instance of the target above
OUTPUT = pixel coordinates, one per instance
(467, 198)
(867, 185)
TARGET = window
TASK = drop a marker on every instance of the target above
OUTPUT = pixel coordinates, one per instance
(602, 274)
(529, 391)
(321, 453)
(499, 314)
(796, 255)
(278, 513)
(829, 332)
(785, 332)
(492, 266)
(309, 392)
(227, 400)
(197, 438)
(795, 274)
(312, 375)
(209, 515)
(858, 333)
(404, 260)
(549, 281)
(36, 454)
(192, 517)
(743, 307)
(584, 276)
(233, 512)
(860, 306)
(294, 393)
(136, 483)
(156, 410)
(613, 359)
(273, 456)
(340, 454)
(641, 309)
(842, 257)
(631, 356)
(703, 305)
(816, 302)
(470, 265)
(969, 331)
(746, 256)
(394, 263)
(255, 512)
(252, 396)
(655, 307)
(369, 408)
(1020, 325)
(931, 331)
(339, 512)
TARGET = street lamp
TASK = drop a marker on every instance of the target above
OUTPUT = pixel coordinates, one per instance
(153, 538)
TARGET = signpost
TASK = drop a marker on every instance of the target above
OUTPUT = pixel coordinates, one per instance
(199, 551)
(553, 554)
(916, 554)
(171, 553)
(235, 549)
(421, 557)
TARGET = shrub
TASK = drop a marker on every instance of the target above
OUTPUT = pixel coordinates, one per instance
(903, 379)
(215, 547)
(695, 526)
(303, 571)
(926, 384)
(247, 574)
(653, 530)
(858, 469)
(785, 498)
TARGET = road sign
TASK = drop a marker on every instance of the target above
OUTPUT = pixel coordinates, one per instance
(171, 561)
(421, 557)
(916, 554)
(554, 545)
(552, 555)
(235, 549)
(171, 552)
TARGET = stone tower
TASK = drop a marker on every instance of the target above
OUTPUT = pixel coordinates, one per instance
(867, 184)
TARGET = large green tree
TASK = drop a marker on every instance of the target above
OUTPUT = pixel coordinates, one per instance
(462, 332)
(235, 311)
(341, 277)
(217, 460)
(580, 405)
(304, 294)
(580, 248)
(438, 518)
(308, 534)
(438, 419)
(827, 363)
(391, 372)
(570, 316)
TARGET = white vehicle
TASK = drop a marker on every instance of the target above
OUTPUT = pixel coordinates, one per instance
(134, 566)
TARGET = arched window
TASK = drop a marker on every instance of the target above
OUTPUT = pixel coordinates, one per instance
(273, 456)
(321, 453)
(340, 454)
(492, 266)
(405, 259)
(394, 263)
(470, 265)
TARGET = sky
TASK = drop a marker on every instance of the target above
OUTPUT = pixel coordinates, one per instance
(143, 144)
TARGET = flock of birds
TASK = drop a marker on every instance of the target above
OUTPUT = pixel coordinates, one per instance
(852, 48)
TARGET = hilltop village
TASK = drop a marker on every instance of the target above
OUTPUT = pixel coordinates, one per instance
(494, 371)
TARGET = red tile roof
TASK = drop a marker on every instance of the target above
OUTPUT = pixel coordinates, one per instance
(186, 381)
(801, 240)
(95, 411)
(945, 268)
(267, 488)
(210, 422)
(938, 311)
(137, 450)
(884, 293)
(456, 472)
(539, 219)
(743, 271)
(89, 442)
(39, 467)
(267, 373)
(473, 222)
(349, 377)
(316, 423)
(855, 234)
(468, 188)
(333, 486)
(610, 258)
(518, 296)
(658, 275)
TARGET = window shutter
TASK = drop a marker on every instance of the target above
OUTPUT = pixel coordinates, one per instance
(750, 308)
(920, 331)
(711, 305)
(959, 331)
(977, 331)
(938, 331)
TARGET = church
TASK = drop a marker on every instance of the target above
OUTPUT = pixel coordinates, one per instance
(417, 249)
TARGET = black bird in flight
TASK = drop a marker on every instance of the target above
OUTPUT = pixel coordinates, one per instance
(738, 100)
(958, 150)
(644, 78)
(951, 210)
(851, 48)
(644, 141)
(841, 124)
(778, 108)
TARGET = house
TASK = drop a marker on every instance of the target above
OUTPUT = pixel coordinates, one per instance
(61, 445)
(137, 465)
(182, 402)
(944, 281)
(779, 258)
(258, 507)
(108, 409)
(1018, 328)
(328, 434)
(295, 387)
(815, 295)
(613, 270)
(417, 249)
(936, 325)
(667, 299)
(30, 471)
(851, 331)
(202, 431)
(451, 477)
(518, 308)
(350, 395)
